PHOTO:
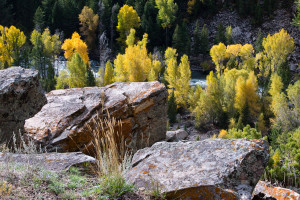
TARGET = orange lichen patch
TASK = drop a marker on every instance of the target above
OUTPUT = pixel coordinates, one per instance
(144, 172)
(202, 192)
(279, 193)
(152, 166)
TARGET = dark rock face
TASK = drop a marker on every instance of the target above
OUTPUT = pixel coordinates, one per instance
(49, 161)
(62, 123)
(264, 190)
(21, 97)
(208, 169)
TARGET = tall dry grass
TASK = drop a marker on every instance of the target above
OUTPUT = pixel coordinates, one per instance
(113, 159)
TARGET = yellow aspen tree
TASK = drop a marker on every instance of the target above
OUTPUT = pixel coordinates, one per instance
(109, 73)
(62, 81)
(75, 45)
(171, 76)
(131, 38)
(229, 82)
(127, 19)
(246, 51)
(214, 94)
(218, 54)
(277, 47)
(89, 22)
(120, 70)
(251, 94)
(78, 72)
(184, 80)
(155, 70)
(170, 53)
(240, 97)
(276, 85)
(135, 65)
(233, 50)
(100, 78)
(194, 96)
(11, 41)
(152, 75)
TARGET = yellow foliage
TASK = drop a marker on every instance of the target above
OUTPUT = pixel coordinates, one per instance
(222, 134)
(135, 65)
(251, 94)
(62, 80)
(131, 38)
(191, 4)
(277, 47)
(276, 85)
(170, 53)
(276, 158)
(127, 19)
(11, 41)
(246, 92)
(89, 23)
(240, 97)
(233, 51)
(218, 54)
(109, 74)
(229, 82)
(75, 45)
(183, 81)
(246, 51)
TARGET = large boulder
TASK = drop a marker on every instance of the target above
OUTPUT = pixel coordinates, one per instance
(264, 190)
(209, 169)
(63, 123)
(21, 97)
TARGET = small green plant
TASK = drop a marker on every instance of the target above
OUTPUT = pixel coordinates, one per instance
(55, 185)
(156, 191)
(198, 138)
(115, 186)
(76, 181)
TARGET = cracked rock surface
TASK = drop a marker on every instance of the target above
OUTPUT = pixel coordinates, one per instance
(21, 97)
(208, 169)
(62, 123)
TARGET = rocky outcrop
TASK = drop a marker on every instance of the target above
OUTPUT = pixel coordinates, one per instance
(21, 97)
(49, 161)
(264, 190)
(209, 169)
(62, 123)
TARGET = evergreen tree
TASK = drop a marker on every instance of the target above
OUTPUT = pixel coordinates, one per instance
(150, 25)
(220, 36)
(39, 19)
(204, 40)
(258, 14)
(197, 39)
(109, 74)
(49, 82)
(181, 39)
(258, 42)
(172, 108)
(90, 79)
(78, 72)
